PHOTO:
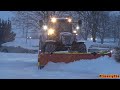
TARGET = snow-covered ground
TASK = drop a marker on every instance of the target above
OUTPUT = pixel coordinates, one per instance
(34, 43)
(30, 44)
(24, 66)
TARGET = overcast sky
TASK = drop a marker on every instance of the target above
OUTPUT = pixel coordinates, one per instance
(5, 15)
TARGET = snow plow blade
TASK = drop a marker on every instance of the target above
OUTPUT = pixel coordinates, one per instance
(43, 58)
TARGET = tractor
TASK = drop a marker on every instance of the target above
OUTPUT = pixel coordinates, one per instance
(59, 43)
(61, 36)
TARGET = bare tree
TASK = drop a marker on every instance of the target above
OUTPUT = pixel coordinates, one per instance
(90, 19)
(84, 16)
(115, 28)
(118, 29)
(31, 18)
(103, 25)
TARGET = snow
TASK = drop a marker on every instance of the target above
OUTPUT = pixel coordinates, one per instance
(24, 66)
(31, 43)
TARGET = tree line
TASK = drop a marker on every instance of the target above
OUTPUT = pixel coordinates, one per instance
(6, 33)
(97, 24)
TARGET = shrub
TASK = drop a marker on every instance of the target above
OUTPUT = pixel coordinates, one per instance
(117, 54)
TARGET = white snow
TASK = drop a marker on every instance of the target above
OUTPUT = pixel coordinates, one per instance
(24, 66)
(30, 44)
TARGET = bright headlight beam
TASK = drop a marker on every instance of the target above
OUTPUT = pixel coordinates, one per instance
(45, 27)
(69, 20)
(50, 31)
(53, 19)
(74, 31)
(91, 38)
(77, 27)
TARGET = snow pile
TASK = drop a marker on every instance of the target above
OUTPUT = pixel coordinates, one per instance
(25, 66)
(102, 65)
(31, 43)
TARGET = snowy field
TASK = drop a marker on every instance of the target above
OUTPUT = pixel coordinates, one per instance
(30, 44)
(24, 66)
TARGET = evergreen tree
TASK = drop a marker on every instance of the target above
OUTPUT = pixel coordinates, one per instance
(6, 33)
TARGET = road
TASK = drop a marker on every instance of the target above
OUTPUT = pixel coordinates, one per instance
(24, 66)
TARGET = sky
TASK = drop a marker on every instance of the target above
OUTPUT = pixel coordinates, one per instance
(5, 15)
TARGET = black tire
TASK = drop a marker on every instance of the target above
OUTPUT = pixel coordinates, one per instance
(50, 47)
(94, 53)
(82, 48)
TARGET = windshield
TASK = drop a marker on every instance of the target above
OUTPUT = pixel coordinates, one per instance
(62, 25)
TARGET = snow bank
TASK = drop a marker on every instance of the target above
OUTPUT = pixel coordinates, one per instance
(31, 43)
(102, 65)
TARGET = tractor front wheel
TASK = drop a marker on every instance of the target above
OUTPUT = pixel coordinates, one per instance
(50, 47)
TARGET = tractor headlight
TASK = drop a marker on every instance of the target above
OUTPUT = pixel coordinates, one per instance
(51, 31)
(45, 27)
(53, 20)
(91, 38)
(76, 34)
(69, 20)
(77, 27)
(74, 31)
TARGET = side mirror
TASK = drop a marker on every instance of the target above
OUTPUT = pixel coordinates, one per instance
(79, 22)
(41, 23)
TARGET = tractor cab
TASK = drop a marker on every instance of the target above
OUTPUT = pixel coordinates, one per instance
(60, 34)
